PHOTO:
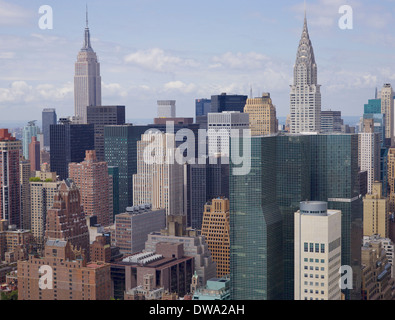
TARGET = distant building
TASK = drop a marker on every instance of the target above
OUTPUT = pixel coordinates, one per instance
(133, 226)
(25, 174)
(220, 126)
(331, 121)
(166, 108)
(48, 117)
(317, 252)
(34, 155)
(388, 246)
(202, 107)
(113, 172)
(262, 115)
(369, 156)
(69, 142)
(224, 102)
(87, 80)
(29, 131)
(10, 191)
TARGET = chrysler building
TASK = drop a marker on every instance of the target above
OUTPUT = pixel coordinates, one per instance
(305, 92)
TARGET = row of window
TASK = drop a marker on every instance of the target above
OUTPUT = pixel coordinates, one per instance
(314, 247)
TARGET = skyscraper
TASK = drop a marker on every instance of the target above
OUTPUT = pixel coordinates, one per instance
(317, 252)
(69, 141)
(34, 154)
(101, 116)
(29, 131)
(387, 108)
(158, 181)
(224, 102)
(48, 117)
(369, 155)
(87, 79)
(305, 97)
(66, 220)
(262, 114)
(331, 121)
(166, 108)
(120, 150)
(215, 228)
(95, 185)
(376, 213)
(10, 191)
(25, 174)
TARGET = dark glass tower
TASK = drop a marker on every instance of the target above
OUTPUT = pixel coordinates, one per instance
(68, 143)
(226, 102)
(256, 228)
(102, 116)
(120, 150)
(48, 118)
(114, 173)
(305, 167)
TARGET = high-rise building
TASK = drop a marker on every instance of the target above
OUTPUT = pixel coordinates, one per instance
(376, 212)
(331, 121)
(369, 155)
(224, 102)
(48, 117)
(69, 141)
(391, 179)
(66, 220)
(43, 188)
(133, 226)
(215, 228)
(34, 155)
(25, 174)
(10, 191)
(166, 108)
(120, 147)
(387, 108)
(220, 126)
(101, 116)
(73, 277)
(203, 182)
(113, 172)
(317, 252)
(158, 181)
(256, 264)
(29, 131)
(95, 185)
(305, 94)
(202, 107)
(377, 283)
(262, 115)
(290, 169)
(87, 79)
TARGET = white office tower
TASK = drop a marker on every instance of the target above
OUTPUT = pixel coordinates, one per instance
(369, 156)
(387, 107)
(305, 97)
(220, 126)
(87, 80)
(166, 108)
(160, 178)
(317, 252)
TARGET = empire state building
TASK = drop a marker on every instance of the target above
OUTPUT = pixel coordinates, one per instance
(87, 80)
(305, 92)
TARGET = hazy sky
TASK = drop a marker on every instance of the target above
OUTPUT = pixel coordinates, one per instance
(181, 49)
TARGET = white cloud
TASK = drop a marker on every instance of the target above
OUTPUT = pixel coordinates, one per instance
(180, 86)
(11, 14)
(251, 60)
(158, 60)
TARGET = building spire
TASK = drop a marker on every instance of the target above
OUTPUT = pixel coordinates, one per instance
(87, 40)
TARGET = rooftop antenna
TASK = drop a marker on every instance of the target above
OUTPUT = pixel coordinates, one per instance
(87, 25)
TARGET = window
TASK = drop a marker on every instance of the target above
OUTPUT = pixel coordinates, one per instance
(306, 249)
(322, 248)
(311, 247)
(317, 247)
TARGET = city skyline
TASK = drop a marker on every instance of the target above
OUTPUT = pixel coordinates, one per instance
(185, 52)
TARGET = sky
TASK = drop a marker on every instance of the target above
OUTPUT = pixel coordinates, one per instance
(183, 50)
